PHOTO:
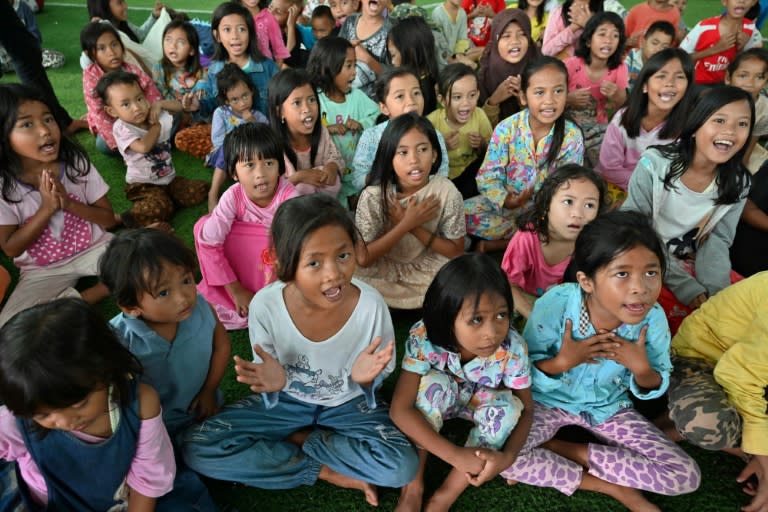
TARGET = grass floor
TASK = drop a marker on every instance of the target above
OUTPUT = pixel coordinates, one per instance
(60, 25)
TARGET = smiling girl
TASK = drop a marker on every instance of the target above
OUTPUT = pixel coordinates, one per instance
(367, 31)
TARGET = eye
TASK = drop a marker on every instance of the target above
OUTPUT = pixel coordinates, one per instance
(718, 120)
(590, 205)
(476, 320)
(417, 93)
(345, 256)
(402, 152)
(622, 275)
(187, 280)
(163, 293)
(296, 103)
(311, 100)
(743, 124)
(567, 202)
(502, 315)
(269, 163)
(560, 90)
(80, 405)
(314, 264)
(651, 273)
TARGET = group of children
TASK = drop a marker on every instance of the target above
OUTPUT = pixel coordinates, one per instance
(333, 218)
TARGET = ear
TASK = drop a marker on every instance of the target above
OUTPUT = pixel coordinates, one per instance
(521, 98)
(215, 34)
(133, 312)
(110, 111)
(384, 109)
(586, 283)
(645, 88)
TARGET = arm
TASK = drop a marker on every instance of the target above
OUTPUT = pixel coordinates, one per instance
(491, 177)
(275, 35)
(15, 239)
(218, 127)
(450, 248)
(148, 141)
(558, 36)
(205, 401)
(713, 262)
(99, 212)
(754, 216)
(613, 154)
(522, 301)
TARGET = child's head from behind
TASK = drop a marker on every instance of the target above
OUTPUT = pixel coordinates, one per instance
(322, 22)
(467, 306)
(619, 262)
(101, 42)
(749, 71)
(569, 198)
(660, 35)
(314, 240)
(253, 156)
(544, 90)
(150, 274)
(603, 39)
(57, 361)
(399, 91)
(180, 44)
(235, 89)
(233, 30)
(410, 43)
(121, 94)
(332, 65)
(458, 92)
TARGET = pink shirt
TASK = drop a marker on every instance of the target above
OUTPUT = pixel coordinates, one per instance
(559, 41)
(327, 152)
(579, 79)
(269, 36)
(99, 122)
(525, 266)
(151, 473)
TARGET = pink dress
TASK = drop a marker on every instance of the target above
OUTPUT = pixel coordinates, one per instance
(525, 266)
(269, 37)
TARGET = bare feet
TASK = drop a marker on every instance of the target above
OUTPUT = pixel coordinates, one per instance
(447, 494)
(630, 498)
(346, 482)
(95, 293)
(410, 498)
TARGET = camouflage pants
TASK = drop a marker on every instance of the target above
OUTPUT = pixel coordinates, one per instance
(699, 407)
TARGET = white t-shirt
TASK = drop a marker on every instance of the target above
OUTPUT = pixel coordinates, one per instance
(319, 372)
(153, 167)
(680, 220)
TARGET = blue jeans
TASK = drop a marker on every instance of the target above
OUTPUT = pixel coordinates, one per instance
(246, 443)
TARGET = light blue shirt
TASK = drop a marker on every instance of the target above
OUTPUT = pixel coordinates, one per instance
(259, 72)
(594, 391)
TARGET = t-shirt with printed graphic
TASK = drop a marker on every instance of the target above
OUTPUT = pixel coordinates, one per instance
(154, 166)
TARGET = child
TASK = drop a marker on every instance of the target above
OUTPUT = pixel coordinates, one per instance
(597, 79)
(465, 127)
(182, 348)
(295, 116)
(750, 243)
(341, 9)
(76, 414)
(237, 105)
(643, 15)
(540, 251)
(565, 25)
(411, 44)
(749, 71)
(346, 111)
(511, 49)
(367, 31)
(270, 38)
(101, 43)
(142, 135)
(464, 360)
(412, 223)
(480, 14)
(399, 92)
(659, 36)
(695, 190)
(607, 330)
(714, 42)
(322, 345)
(51, 58)
(453, 44)
(537, 13)
(232, 242)
(297, 37)
(322, 22)
(655, 113)
(523, 150)
(236, 42)
(54, 210)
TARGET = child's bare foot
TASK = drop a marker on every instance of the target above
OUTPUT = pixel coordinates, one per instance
(634, 500)
(346, 482)
(410, 498)
(447, 494)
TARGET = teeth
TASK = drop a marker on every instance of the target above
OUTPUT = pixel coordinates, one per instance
(332, 293)
(724, 143)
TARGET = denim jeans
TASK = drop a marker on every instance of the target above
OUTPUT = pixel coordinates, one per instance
(246, 443)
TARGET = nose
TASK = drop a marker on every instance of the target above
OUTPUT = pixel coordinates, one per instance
(332, 272)
(638, 283)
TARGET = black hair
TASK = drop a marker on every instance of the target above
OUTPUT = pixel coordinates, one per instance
(637, 102)
(585, 40)
(732, 176)
(451, 74)
(523, 5)
(192, 64)
(326, 61)
(536, 217)
(280, 87)
(100, 9)
(382, 171)
(752, 53)
(56, 353)
(295, 221)
(662, 26)
(90, 35)
(323, 11)
(250, 141)
(465, 278)
(609, 235)
(595, 6)
(11, 167)
(228, 78)
(117, 77)
(227, 9)
(134, 260)
(386, 77)
(263, 4)
(558, 135)
(414, 40)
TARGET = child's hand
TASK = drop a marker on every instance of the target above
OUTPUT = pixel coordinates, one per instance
(726, 41)
(50, 200)
(395, 211)
(265, 377)
(517, 199)
(465, 459)
(757, 467)
(579, 14)
(157, 9)
(353, 125)
(248, 116)
(633, 41)
(630, 355)
(361, 52)
(476, 140)
(190, 102)
(154, 113)
(608, 89)
(452, 140)
(336, 129)
(293, 13)
(241, 297)
(505, 90)
(495, 463)
(370, 363)
(573, 353)
(698, 301)
(205, 404)
(579, 98)
(314, 177)
(741, 39)
(64, 200)
(418, 212)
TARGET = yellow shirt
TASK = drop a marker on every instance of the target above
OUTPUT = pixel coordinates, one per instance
(731, 330)
(463, 154)
(537, 29)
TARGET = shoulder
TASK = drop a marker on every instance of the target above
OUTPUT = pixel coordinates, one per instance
(370, 298)
(149, 402)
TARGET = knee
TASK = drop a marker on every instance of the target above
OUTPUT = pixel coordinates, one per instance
(707, 428)
(405, 465)
(687, 476)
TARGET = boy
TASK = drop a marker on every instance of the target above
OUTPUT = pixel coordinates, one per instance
(142, 133)
(713, 43)
(322, 22)
(749, 71)
(452, 37)
(660, 35)
(642, 15)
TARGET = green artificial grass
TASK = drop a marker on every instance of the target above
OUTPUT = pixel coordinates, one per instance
(60, 24)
